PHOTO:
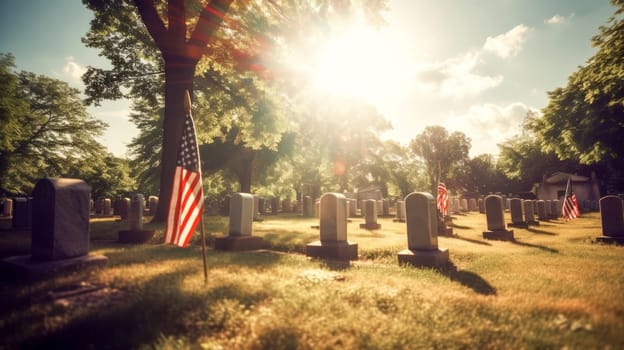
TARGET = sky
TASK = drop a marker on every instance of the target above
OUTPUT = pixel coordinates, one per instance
(475, 66)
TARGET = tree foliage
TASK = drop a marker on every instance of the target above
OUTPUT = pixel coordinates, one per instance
(583, 120)
(444, 156)
(46, 130)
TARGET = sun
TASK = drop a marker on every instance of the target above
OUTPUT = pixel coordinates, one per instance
(358, 63)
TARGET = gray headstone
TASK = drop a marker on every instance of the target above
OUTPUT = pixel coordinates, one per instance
(370, 211)
(553, 208)
(548, 208)
(317, 208)
(352, 203)
(463, 204)
(275, 205)
(107, 207)
(123, 207)
(386, 207)
(529, 211)
(472, 204)
(612, 216)
(494, 213)
(333, 217)
(400, 211)
(481, 206)
(241, 214)
(422, 224)
(61, 230)
(515, 206)
(8, 207)
(135, 212)
(541, 210)
(308, 206)
(152, 204)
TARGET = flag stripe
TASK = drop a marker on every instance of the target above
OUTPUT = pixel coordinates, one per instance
(442, 200)
(570, 208)
(186, 206)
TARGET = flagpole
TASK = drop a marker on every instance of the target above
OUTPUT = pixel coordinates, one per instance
(187, 107)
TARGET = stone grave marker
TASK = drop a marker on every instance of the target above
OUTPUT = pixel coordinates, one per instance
(241, 225)
(481, 205)
(517, 217)
(370, 215)
(8, 207)
(308, 207)
(495, 218)
(463, 205)
(352, 207)
(152, 204)
(422, 233)
(553, 208)
(60, 235)
(612, 220)
(400, 211)
(548, 208)
(529, 212)
(541, 210)
(317, 208)
(275, 201)
(123, 207)
(333, 243)
(135, 232)
(472, 204)
(286, 205)
(385, 203)
(107, 207)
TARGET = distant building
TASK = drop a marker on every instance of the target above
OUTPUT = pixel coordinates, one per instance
(554, 187)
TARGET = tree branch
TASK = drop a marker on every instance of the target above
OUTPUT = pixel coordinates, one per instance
(210, 18)
(152, 21)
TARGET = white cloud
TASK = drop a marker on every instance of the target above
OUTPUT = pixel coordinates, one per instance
(488, 124)
(456, 77)
(507, 44)
(558, 19)
(73, 69)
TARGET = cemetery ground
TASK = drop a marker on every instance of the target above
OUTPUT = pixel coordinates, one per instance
(553, 287)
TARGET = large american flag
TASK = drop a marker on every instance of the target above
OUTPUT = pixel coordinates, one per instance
(187, 197)
(570, 208)
(442, 202)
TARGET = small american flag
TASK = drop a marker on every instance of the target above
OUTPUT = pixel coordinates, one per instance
(570, 208)
(442, 202)
(187, 197)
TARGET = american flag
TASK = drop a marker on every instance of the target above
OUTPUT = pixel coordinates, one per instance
(187, 197)
(570, 208)
(442, 202)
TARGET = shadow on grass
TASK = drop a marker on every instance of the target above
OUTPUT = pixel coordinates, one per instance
(540, 247)
(155, 306)
(541, 232)
(256, 258)
(471, 240)
(459, 226)
(468, 279)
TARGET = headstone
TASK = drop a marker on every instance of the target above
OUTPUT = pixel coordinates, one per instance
(495, 218)
(123, 208)
(308, 207)
(529, 212)
(275, 205)
(422, 233)
(379, 207)
(463, 204)
(548, 208)
(400, 211)
(91, 206)
(472, 204)
(107, 207)
(553, 208)
(506, 202)
(370, 215)
(541, 210)
(8, 207)
(60, 235)
(22, 212)
(98, 206)
(481, 205)
(385, 203)
(241, 225)
(517, 219)
(333, 226)
(317, 208)
(455, 207)
(135, 233)
(152, 204)
(61, 230)
(352, 203)
(612, 220)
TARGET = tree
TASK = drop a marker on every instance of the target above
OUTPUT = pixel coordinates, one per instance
(583, 120)
(181, 49)
(445, 156)
(486, 178)
(46, 129)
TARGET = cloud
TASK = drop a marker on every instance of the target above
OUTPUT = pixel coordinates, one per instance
(73, 69)
(558, 19)
(507, 44)
(488, 124)
(456, 77)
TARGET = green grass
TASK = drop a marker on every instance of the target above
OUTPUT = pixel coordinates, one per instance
(552, 288)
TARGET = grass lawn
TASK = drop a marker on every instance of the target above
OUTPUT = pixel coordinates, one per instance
(551, 288)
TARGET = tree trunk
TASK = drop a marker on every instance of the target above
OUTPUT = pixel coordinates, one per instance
(179, 73)
(244, 178)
